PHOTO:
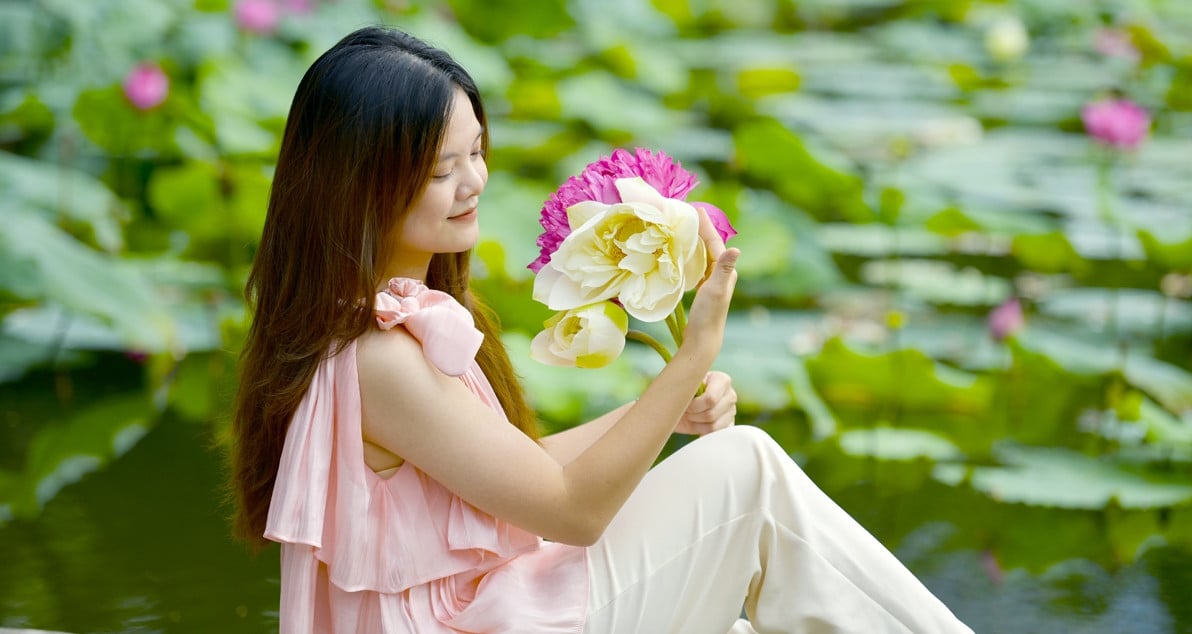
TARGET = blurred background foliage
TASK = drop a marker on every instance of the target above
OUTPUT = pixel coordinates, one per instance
(964, 303)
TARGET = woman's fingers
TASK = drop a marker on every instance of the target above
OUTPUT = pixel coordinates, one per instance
(711, 237)
(724, 272)
(699, 427)
(716, 387)
(718, 402)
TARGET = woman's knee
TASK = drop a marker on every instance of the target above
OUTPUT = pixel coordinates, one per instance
(741, 452)
(743, 439)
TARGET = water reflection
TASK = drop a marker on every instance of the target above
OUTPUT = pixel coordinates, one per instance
(139, 547)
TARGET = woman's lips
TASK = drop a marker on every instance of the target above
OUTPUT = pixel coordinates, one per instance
(467, 215)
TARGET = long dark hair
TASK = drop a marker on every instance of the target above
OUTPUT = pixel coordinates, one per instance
(363, 133)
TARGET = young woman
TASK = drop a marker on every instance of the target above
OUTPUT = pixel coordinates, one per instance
(382, 438)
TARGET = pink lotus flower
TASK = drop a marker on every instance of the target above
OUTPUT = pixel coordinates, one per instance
(258, 16)
(1006, 320)
(597, 182)
(993, 569)
(146, 86)
(1118, 123)
(1116, 43)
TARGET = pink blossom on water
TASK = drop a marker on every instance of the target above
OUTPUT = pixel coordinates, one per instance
(258, 16)
(993, 569)
(1115, 43)
(146, 86)
(1006, 320)
(1118, 123)
(597, 182)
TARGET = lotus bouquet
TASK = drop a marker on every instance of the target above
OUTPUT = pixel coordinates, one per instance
(620, 239)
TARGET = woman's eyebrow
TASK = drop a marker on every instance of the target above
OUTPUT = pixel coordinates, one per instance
(450, 155)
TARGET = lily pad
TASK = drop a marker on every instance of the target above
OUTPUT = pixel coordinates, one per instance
(62, 453)
(780, 256)
(86, 281)
(759, 353)
(742, 49)
(937, 282)
(586, 97)
(875, 130)
(952, 221)
(1170, 385)
(889, 443)
(1163, 429)
(1174, 254)
(928, 42)
(770, 152)
(878, 81)
(1042, 476)
(1132, 311)
(877, 240)
(55, 190)
(906, 378)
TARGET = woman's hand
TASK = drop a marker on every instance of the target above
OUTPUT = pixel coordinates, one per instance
(713, 410)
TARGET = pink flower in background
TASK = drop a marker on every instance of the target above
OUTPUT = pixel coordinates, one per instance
(1118, 123)
(597, 183)
(146, 86)
(1006, 320)
(258, 16)
(993, 569)
(1116, 43)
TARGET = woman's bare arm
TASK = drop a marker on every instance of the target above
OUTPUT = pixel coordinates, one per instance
(564, 446)
(435, 422)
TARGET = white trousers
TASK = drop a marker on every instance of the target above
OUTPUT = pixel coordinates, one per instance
(731, 520)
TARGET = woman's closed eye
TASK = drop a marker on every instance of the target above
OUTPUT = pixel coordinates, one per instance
(475, 155)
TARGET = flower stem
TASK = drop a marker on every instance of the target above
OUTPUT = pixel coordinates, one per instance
(677, 323)
(680, 323)
(672, 325)
(637, 335)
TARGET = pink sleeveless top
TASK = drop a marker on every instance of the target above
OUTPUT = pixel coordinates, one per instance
(362, 553)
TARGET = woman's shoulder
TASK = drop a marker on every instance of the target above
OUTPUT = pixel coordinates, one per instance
(388, 353)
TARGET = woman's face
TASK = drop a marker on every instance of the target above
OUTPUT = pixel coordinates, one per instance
(444, 218)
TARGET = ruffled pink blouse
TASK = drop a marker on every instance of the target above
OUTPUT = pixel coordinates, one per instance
(362, 553)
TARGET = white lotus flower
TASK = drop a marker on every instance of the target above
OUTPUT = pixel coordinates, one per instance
(587, 337)
(645, 251)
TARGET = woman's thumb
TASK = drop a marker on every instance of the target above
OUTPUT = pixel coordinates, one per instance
(726, 264)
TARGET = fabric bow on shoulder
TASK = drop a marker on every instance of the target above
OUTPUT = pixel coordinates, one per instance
(441, 324)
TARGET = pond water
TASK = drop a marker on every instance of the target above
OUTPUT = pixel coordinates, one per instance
(143, 546)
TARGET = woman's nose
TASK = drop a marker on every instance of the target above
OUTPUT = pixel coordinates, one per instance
(473, 181)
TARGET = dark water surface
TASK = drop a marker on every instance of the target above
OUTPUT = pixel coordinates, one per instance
(142, 546)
